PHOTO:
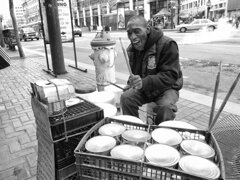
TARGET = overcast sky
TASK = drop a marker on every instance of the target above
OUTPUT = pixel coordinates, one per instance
(4, 6)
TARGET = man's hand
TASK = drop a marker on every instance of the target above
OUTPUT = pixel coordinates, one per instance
(135, 82)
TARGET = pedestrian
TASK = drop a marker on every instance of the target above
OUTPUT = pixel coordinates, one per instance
(237, 23)
(157, 77)
(107, 28)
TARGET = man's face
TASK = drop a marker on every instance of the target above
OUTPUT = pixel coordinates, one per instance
(137, 34)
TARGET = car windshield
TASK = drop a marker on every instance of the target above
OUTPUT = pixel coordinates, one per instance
(195, 22)
(28, 30)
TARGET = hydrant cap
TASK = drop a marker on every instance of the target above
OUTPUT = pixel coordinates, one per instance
(102, 38)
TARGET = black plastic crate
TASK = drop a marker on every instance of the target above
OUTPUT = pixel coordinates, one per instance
(79, 115)
(76, 116)
(67, 173)
(93, 166)
(64, 150)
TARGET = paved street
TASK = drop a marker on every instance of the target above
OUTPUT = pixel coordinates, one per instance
(220, 48)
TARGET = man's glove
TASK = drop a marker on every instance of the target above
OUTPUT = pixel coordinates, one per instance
(135, 82)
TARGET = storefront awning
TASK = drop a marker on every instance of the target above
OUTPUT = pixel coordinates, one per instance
(163, 12)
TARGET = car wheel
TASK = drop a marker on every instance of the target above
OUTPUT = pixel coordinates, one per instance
(211, 28)
(183, 29)
(37, 38)
(20, 39)
(25, 39)
(80, 35)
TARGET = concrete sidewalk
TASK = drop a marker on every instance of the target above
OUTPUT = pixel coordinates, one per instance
(18, 143)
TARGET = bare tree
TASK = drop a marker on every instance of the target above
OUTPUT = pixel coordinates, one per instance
(20, 50)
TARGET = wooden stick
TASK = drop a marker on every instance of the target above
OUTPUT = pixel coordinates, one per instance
(126, 57)
(215, 94)
(225, 101)
(115, 85)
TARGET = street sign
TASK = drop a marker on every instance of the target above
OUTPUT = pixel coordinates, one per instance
(64, 20)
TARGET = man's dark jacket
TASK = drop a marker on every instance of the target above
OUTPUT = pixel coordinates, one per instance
(158, 64)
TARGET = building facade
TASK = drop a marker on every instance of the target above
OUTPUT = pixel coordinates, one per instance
(18, 10)
(31, 11)
(211, 9)
(233, 8)
(100, 13)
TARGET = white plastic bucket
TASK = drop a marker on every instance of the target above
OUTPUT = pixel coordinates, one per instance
(117, 92)
(101, 97)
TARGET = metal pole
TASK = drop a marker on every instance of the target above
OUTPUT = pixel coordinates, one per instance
(74, 46)
(171, 17)
(55, 37)
(43, 33)
(178, 12)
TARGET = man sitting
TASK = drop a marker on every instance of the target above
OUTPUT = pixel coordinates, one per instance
(157, 77)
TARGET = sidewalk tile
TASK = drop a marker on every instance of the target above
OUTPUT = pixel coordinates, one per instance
(23, 139)
(17, 123)
(14, 147)
(4, 154)
(9, 129)
(2, 108)
(22, 153)
(32, 159)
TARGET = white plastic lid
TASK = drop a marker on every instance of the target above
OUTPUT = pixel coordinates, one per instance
(135, 135)
(127, 152)
(111, 129)
(128, 118)
(166, 136)
(162, 155)
(177, 124)
(197, 148)
(99, 144)
(199, 166)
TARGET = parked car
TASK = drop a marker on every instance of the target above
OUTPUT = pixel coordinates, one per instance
(28, 33)
(197, 24)
(77, 31)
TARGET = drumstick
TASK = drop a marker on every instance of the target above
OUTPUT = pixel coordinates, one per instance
(225, 101)
(115, 85)
(126, 57)
(215, 94)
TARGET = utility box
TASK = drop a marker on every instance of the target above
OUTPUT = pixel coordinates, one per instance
(10, 38)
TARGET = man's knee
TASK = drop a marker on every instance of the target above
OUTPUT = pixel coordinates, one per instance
(165, 113)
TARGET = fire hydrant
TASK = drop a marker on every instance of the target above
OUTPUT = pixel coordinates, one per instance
(104, 59)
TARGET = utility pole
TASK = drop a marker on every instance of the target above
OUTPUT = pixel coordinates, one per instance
(2, 44)
(55, 37)
(137, 7)
(178, 11)
(208, 8)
